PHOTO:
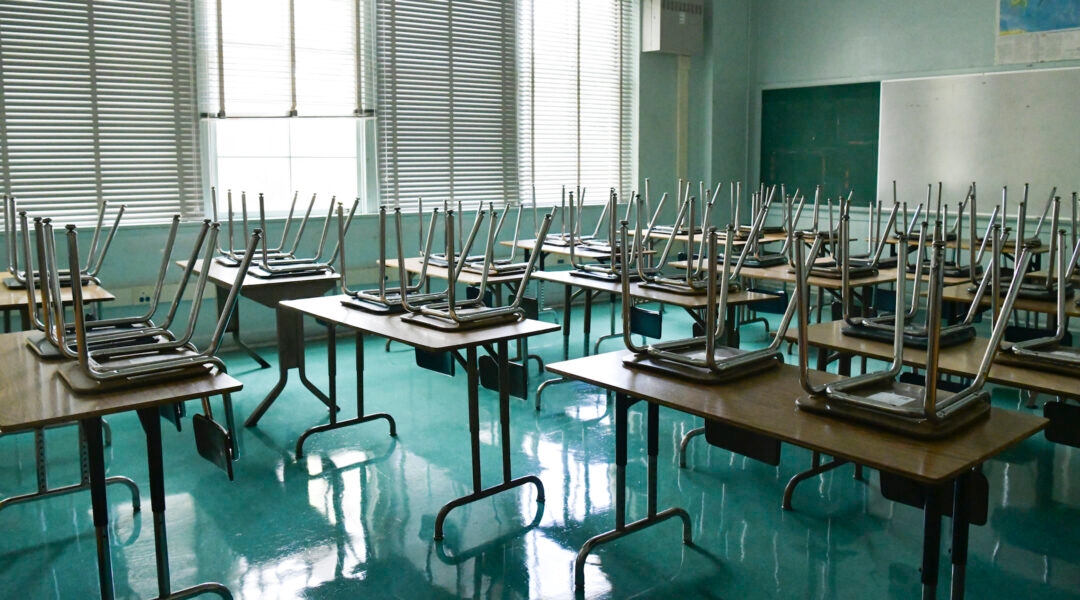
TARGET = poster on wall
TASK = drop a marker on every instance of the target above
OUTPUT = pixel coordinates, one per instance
(1034, 31)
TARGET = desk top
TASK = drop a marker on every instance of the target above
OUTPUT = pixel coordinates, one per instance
(962, 359)
(637, 291)
(17, 298)
(765, 238)
(960, 293)
(269, 292)
(415, 264)
(579, 251)
(32, 393)
(784, 274)
(329, 308)
(765, 404)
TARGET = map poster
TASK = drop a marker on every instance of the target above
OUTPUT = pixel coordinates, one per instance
(1034, 31)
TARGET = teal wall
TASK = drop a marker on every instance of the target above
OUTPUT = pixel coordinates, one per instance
(717, 135)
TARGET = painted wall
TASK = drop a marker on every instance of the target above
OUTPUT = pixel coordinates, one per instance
(716, 140)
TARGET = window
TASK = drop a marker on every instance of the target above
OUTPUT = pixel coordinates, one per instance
(578, 87)
(483, 100)
(97, 102)
(447, 98)
(286, 95)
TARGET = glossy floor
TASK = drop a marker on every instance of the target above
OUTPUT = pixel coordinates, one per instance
(354, 518)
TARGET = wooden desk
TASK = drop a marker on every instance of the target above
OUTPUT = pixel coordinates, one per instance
(32, 396)
(330, 311)
(962, 360)
(766, 238)
(765, 404)
(783, 274)
(546, 249)
(415, 265)
(18, 300)
(960, 293)
(692, 303)
(267, 292)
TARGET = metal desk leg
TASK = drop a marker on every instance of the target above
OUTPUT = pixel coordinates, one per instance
(588, 321)
(41, 470)
(732, 328)
(931, 543)
(331, 358)
(290, 337)
(508, 483)
(568, 296)
(816, 468)
(151, 423)
(567, 299)
(685, 443)
(233, 327)
(545, 385)
(622, 528)
(959, 537)
(95, 455)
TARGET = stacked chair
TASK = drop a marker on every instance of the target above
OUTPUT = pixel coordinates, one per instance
(278, 262)
(94, 260)
(878, 398)
(606, 271)
(703, 358)
(882, 327)
(383, 300)
(452, 313)
(126, 353)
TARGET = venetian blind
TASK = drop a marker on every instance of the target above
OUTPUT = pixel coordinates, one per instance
(577, 85)
(98, 102)
(447, 100)
(280, 58)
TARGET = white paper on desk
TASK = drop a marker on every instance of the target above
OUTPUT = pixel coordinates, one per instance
(891, 399)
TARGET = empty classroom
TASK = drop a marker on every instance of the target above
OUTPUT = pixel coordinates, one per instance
(539, 299)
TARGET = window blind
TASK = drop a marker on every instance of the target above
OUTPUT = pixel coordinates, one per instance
(98, 102)
(447, 99)
(577, 82)
(280, 58)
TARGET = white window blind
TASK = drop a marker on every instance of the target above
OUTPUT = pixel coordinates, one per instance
(97, 101)
(447, 101)
(280, 58)
(577, 82)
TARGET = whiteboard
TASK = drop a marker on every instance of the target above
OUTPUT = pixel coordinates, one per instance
(995, 129)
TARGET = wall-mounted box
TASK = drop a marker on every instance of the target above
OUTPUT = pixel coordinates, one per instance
(672, 26)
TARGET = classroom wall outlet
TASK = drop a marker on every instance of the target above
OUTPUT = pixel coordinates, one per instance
(143, 297)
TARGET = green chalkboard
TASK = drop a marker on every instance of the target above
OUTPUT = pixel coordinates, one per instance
(822, 135)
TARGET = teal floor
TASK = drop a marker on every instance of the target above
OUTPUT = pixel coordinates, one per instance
(354, 518)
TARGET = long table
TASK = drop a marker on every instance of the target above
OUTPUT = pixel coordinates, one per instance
(329, 310)
(414, 265)
(692, 303)
(962, 359)
(33, 396)
(765, 405)
(17, 300)
(265, 291)
(962, 294)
